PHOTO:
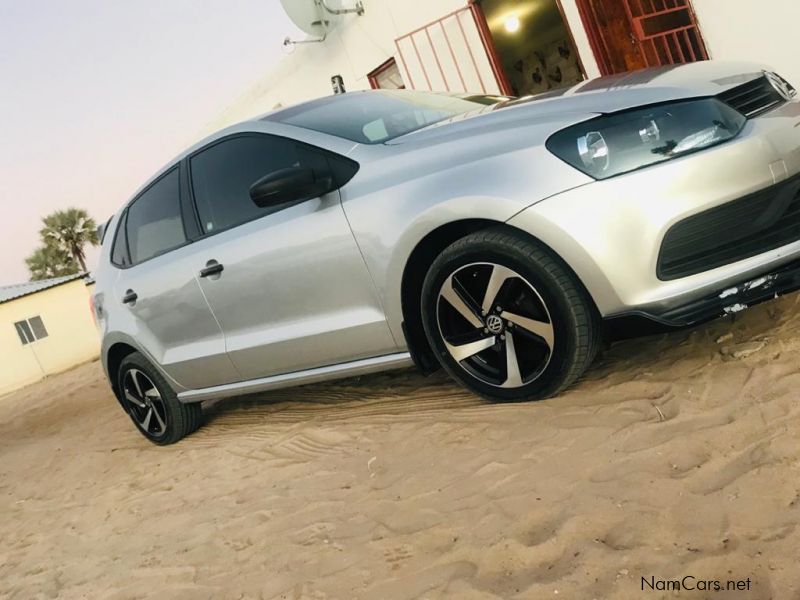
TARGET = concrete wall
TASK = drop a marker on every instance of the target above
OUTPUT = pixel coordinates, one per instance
(358, 46)
(758, 31)
(763, 31)
(580, 37)
(72, 336)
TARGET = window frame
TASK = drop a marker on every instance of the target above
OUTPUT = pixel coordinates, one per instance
(326, 154)
(122, 225)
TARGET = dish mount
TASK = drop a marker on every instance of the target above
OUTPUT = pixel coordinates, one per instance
(317, 17)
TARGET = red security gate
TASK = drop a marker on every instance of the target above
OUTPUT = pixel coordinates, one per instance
(668, 31)
(634, 34)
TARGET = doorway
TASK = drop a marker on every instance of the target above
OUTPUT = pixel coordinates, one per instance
(532, 43)
(627, 35)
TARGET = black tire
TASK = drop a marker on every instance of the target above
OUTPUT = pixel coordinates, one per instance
(160, 400)
(540, 285)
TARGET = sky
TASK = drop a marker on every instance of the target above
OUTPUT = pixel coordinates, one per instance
(96, 95)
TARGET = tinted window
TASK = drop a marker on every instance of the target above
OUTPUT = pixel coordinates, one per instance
(119, 251)
(154, 223)
(223, 173)
(375, 117)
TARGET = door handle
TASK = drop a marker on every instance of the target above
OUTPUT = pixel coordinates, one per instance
(129, 297)
(212, 268)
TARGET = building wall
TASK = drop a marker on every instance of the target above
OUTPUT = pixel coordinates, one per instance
(72, 336)
(764, 32)
(355, 48)
(732, 29)
(581, 39)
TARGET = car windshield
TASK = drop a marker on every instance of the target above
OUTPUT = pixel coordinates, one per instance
(376, 117)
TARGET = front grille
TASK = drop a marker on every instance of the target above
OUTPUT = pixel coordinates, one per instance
(753, 98)
(734, 231)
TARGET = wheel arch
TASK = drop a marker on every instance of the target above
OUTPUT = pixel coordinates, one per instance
(417, 267)
(114, 356)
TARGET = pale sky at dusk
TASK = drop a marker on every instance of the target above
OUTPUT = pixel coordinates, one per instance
(95, 95)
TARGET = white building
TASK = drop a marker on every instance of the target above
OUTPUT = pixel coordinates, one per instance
(517, 47)
(45, 327)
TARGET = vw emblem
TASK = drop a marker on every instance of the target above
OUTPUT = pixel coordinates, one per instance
(494, 324)
(781, 86)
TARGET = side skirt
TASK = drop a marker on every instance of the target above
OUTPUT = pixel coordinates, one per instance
(252, 386)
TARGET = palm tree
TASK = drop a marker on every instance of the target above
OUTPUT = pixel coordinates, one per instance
(49, 261)
(69, 231)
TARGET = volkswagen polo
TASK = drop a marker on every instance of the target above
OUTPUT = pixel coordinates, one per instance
(498, 238)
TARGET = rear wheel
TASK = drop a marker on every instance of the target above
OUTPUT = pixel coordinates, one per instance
(152, 404)
(506, 318)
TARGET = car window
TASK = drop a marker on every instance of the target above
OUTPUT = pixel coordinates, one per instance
(376, 117)
(223, 173)
(154, 223)
(119, 250)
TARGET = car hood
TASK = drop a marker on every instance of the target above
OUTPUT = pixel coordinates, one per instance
(597, 96)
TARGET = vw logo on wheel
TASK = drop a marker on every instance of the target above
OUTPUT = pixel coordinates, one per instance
(494, 323)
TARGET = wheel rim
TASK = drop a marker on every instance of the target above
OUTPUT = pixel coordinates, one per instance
(145, 405)
(495, 325)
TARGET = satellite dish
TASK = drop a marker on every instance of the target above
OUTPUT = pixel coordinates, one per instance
(314, 17)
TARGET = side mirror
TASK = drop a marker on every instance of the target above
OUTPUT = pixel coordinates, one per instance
(290, 185)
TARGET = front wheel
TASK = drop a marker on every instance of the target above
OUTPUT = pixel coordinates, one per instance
(152, 404)
(506, 318)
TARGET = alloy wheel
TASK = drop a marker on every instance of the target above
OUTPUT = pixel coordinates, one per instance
(144, 401)
(495, 325)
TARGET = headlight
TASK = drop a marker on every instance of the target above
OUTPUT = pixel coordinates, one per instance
(619, 143)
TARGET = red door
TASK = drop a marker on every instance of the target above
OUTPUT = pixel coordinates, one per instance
(634, 34)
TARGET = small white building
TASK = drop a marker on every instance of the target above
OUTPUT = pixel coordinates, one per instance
(45, 327)
(519, 47)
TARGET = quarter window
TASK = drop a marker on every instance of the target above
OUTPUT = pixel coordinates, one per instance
(119, 251)
(153, 223)
(223, 173)
(30, 330)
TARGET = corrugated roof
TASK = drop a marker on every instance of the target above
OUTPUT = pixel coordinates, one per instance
(12, 292)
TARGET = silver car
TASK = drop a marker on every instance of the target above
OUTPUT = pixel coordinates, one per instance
(501, 239)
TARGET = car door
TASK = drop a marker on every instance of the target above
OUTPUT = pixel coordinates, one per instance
(291, 291)
(160, 296)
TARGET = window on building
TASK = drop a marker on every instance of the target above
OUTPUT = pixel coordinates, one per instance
(387, 77)
(30, 330)
(38, 327)
(154, 224)
(223, 173)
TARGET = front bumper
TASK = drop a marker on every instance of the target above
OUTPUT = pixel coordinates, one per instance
(611, 232)
(723, 302)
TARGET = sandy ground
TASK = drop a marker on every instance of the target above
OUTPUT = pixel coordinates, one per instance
(676, 455)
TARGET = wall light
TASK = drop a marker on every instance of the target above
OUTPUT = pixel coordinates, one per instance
(511, 23)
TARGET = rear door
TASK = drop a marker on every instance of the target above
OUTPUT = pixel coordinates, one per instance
(294, 292)
(157, 289)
